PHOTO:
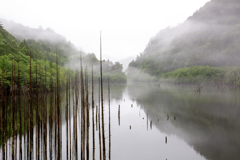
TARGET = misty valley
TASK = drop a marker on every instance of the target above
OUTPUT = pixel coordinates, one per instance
(178, 99)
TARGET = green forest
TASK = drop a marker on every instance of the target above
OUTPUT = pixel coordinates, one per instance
(205, 48)
(15, 56)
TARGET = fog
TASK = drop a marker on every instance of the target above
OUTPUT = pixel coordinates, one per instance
(23, 32)
(209, 37)
(127, 26)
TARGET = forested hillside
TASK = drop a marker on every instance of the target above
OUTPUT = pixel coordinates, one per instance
(208, 39)
(15, 55)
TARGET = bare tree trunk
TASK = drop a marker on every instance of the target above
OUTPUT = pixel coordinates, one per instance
(82, 112)
(20, 115)
(70, 119)
(58, 116)
(38, 118)
(40, 112)
(13, 108)
(109, 127)
(93, 130)
(87, 104)
(66, 111)
(31, 112)
(119, 115)
(51, 114)
(99, 124)
(103, 131)
(3, 115)
(45, 115)
(55, 118)
(75, 113)
(25, 120)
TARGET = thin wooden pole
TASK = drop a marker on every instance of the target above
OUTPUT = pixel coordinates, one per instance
(51, 113)
(31, 112)
(13, 111)
(109, 109)
(70, 116)
(87, 110)
(93, 130)
(103, 131)
(99, 124)
(45, 114)
(38, 117)
(3, 115)
(119, 115)
(82, 112)
(66, 111)
(20, 115)
(58, 115)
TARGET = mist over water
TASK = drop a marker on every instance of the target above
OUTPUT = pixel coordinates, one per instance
(166, 122)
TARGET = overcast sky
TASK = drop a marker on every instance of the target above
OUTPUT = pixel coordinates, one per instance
(126, 25)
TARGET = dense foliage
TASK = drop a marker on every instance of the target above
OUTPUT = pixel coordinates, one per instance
(14, 52)
(201, 74)
(210, 37)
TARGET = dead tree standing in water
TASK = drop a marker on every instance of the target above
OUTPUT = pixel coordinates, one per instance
(93, 130)
(66, 111)
(20, 114)
(38, 118)
(99, 124)
(51, 114)
(87, 112)
(13, 110)
(58, 115)
(3, 115)
(82, 112)
(109, 156)
(103, 131)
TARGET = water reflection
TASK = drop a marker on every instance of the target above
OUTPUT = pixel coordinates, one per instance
(150, 123)
(208, 122)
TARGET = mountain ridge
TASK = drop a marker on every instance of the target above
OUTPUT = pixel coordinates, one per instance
(209, 37)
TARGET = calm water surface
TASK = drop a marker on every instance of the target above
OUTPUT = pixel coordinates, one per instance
(206, 125)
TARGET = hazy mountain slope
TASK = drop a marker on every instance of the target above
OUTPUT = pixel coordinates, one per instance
(41, 50)
(8, 43)
(23, 32)
(47, 38)
(210, 37)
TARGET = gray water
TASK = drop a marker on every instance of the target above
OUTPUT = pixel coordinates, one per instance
(206, 125)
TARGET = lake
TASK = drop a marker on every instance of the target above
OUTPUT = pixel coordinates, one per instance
(157, 122)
